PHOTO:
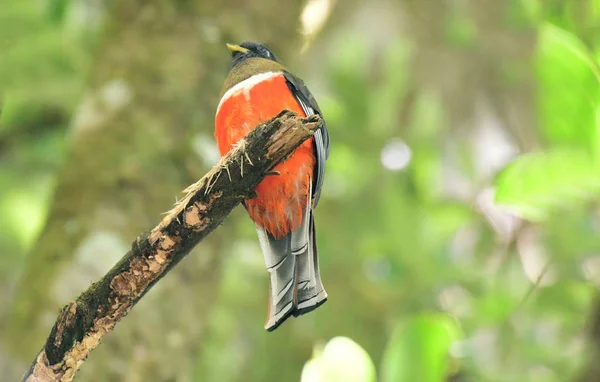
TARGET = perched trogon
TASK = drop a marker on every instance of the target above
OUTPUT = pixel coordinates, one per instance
(256, 89)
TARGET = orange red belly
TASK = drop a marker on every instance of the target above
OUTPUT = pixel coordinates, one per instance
(280, 198)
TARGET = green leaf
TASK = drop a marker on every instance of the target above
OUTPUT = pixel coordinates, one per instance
(536, 184)
(57, 9)
(341, 360)
(568, 88)
(419, 350)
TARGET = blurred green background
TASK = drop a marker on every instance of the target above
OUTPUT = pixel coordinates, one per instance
(458, 226)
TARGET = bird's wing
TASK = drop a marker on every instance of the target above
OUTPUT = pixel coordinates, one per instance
(310, 107)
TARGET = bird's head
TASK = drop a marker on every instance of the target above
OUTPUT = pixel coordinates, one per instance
(249, 49)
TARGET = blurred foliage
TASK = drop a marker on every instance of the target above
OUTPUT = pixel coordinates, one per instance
(419, 350)
(43, 64)
(456, 242)
(341, 359)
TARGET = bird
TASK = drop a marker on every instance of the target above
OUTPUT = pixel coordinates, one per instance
(257, 88)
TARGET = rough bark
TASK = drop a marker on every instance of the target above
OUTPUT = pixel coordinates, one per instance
(83, 322)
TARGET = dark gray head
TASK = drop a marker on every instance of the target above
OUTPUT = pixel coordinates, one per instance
(249, 49)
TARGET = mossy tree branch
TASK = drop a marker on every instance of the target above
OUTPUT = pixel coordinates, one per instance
(85, 321)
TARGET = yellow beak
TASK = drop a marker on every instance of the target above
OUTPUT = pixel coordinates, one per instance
(236, 48)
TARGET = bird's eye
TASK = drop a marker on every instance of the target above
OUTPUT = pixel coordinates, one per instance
(266, 53)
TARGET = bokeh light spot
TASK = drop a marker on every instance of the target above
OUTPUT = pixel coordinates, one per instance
(396, 155)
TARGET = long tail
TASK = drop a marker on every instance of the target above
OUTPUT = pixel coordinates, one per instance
(293, 265)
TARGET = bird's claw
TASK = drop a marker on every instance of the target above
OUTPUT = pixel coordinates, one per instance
(250, 195)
